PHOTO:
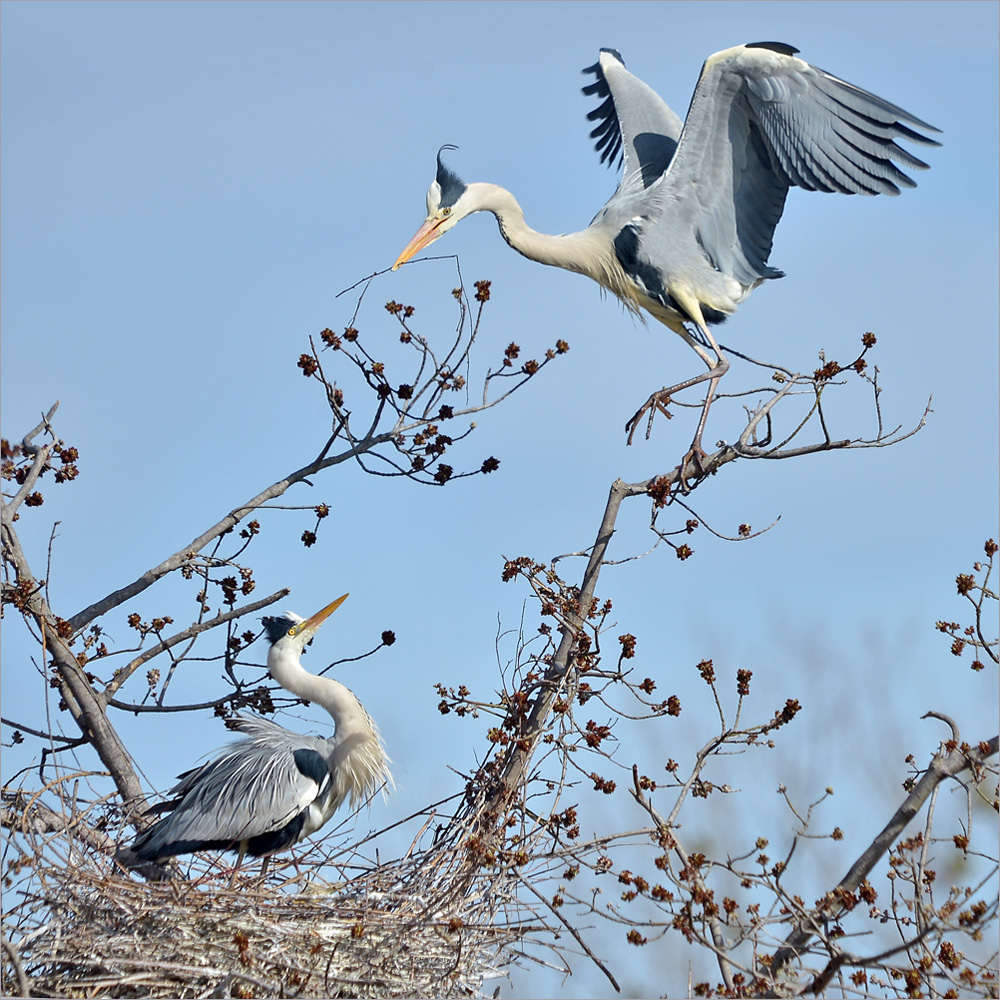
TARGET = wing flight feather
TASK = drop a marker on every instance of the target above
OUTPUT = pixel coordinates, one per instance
(761, 121)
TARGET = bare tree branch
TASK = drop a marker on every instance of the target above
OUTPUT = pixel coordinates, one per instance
(945, 764)
(122, 674)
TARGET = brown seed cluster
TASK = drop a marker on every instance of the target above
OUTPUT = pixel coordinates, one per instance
(398, 309)
(602, 784)
(15, 464)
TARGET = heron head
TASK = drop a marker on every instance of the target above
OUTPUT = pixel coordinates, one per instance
(444, 208)
(296, 629)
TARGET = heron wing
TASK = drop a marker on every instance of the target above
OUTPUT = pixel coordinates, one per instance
(257, 786)
(634, 123)
(762, 121)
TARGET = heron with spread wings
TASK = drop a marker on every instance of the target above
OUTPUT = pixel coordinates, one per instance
(272, 789)
(687, 235)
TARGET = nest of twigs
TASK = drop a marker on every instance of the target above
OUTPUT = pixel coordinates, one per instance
(326, 923)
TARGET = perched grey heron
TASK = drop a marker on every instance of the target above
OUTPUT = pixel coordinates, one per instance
(688, 233)
(267, 792)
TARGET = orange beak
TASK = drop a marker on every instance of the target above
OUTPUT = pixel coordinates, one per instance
(424, 236)
(311, 624)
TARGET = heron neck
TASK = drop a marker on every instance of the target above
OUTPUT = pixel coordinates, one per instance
(337, 699)
(584, 252)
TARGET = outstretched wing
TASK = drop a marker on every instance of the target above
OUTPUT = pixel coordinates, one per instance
(762, 121)
(257, 787)
(634, 123)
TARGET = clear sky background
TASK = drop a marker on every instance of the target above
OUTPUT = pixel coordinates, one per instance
(187, 187)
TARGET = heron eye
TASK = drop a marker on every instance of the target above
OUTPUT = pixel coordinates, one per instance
(446, 211)
(292, 631)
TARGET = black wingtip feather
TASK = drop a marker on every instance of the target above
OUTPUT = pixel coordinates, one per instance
(608, 131)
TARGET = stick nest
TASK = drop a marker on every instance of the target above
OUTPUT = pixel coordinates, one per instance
(433, 924)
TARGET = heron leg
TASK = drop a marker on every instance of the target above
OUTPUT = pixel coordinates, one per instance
(719, 369)
(239, 861)
(657, 402)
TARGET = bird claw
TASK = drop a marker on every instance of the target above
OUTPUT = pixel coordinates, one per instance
(657, 403)
(695, 457)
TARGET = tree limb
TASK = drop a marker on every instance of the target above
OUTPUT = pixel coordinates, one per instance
(943, 765)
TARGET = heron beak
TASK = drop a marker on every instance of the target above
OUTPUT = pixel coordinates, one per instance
(424, 236)
(310, 625)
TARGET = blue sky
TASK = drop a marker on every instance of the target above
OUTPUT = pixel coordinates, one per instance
(187, 187)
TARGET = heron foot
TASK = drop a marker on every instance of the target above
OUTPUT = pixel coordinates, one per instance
(657, 403)
(694, 459)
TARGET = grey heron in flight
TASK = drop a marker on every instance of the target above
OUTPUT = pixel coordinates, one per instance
(687, 234)
(268, 791)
